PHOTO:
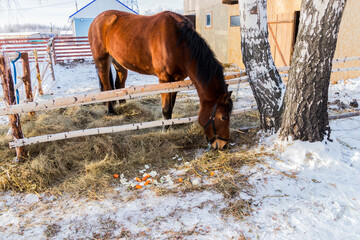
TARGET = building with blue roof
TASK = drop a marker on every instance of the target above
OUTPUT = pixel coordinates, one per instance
(82, 19)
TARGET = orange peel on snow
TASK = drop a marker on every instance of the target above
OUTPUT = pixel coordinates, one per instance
(138, 186)
(146, 177)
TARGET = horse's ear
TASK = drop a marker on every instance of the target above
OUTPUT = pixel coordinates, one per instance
(227, 97)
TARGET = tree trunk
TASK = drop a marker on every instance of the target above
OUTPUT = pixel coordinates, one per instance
(305, 116)
(264, 79)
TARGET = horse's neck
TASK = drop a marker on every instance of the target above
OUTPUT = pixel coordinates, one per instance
(208, 94)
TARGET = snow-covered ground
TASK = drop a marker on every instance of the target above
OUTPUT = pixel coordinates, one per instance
(312, 191)
(322, 201)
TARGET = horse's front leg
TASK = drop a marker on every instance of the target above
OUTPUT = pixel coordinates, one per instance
(168, 103)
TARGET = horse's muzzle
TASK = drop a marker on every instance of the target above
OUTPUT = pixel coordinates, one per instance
(219, 144)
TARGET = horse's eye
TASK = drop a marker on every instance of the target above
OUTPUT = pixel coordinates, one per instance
(224, 118)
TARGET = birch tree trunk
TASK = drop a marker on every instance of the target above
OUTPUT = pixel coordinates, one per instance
(264, 79)
(305, 116)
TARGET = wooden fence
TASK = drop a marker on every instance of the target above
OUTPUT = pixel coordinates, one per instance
(13, 110)
(63, 48)
(71, 48)
(9, 96)
(8, 46)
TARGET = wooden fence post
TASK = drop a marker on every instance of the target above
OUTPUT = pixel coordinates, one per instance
(51, 45)
(27, 79)
(38, 76)
(9, 97)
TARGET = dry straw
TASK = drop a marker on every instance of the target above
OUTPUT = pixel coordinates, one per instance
(86, 165)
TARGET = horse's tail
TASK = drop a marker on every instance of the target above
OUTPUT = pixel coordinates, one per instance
(110, 79)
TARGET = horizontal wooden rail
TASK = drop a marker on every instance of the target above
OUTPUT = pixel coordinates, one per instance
(66, 51)
(285, 69)
(106, 130)
(13, 54)
(24, 43)
(345, 115)
(70, 37)
(69, 54)
(72, 48)
(107, 96)
(98, 97)
(70, 57)
(279, 22)
(23, 39)
(70, 41)
(72, 45)
(346, 69)
(126, 93)
(130, 127)
(346, 59)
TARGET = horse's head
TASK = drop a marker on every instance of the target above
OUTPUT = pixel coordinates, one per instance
(215, 119)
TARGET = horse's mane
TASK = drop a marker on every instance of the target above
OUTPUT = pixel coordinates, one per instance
(207, 66)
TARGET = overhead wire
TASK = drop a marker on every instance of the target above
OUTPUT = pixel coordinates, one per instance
(30, 8)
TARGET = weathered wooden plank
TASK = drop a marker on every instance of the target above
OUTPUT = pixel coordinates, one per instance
(27, 79)
(106, 130)
(9, 95)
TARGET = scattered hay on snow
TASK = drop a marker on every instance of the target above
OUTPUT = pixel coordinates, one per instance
(87, 165)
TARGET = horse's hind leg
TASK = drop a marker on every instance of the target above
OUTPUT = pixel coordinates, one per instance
(121, 76)
(103, 67)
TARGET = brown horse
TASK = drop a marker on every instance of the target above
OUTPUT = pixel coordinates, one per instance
(167, 46)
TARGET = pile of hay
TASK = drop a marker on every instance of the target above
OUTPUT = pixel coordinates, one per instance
(87, 164)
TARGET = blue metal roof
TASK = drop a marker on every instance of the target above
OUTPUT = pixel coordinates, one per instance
(95, 1)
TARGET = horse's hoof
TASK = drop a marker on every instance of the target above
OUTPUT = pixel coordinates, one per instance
(111, 112)
(123, 101)
(165, 129)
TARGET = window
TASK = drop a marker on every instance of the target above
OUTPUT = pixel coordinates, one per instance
(235, 21)
(208, 20)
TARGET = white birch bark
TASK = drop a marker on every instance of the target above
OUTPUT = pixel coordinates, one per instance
(305, 116)
(264, 79)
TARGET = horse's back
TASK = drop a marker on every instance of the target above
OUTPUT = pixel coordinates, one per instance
(146, 44)
(117, 26)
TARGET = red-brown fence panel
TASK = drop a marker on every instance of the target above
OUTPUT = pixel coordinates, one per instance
(71, 48)
(63, 48)
(25, 45)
